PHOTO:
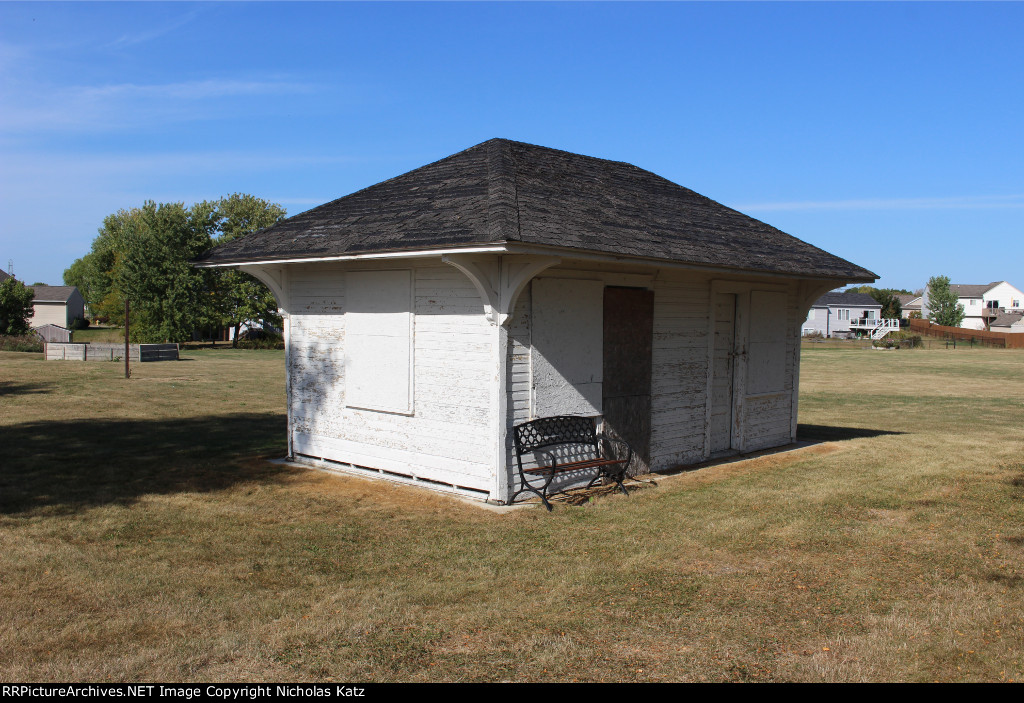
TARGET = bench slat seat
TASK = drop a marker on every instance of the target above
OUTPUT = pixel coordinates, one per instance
(576, 465)
(568, 432)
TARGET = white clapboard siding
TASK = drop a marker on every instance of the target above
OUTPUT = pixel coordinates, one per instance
(679, 369)
(767, 420)
(567, 361)
(447, 436)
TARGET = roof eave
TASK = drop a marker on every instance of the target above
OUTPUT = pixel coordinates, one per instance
(526, 249)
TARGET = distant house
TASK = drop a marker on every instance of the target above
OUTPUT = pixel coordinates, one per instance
(56, 305)
(426, 316)
(4, 276)
(842, 314)
(909, 304)
(982, 303)
(1008, 322)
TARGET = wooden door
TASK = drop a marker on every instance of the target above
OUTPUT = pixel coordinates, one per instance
(626, 393)
(723, 371)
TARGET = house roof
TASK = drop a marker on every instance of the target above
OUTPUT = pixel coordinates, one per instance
(1005, 319)
(502, 192)
(969, 290)
(4, 276)
(852, 300)
(906, 300)
(52, 294)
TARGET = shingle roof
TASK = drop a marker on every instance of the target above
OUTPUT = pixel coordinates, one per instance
(4, 276)
(967, 290)
(1005, 319)
(52, 294)
(502, 191)
(853, 300)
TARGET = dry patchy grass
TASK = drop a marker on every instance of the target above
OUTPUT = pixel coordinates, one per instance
(143, 536)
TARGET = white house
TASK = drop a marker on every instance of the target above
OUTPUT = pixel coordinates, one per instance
(982, 303)
(909, 304)
(56, 305)
(842, 314)
(427, 315)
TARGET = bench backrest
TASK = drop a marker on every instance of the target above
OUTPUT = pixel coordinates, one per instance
(551, 431)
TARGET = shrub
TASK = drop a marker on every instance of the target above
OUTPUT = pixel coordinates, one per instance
(80, 323)
(21, 343)
(907, 340)
(259, 339)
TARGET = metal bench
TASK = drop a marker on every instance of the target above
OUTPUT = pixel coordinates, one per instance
(570, 444)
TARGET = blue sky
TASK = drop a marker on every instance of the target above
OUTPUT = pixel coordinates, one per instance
(890, 134)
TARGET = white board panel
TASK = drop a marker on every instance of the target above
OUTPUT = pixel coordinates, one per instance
(567, 356)
(378, 339)
(766, 362)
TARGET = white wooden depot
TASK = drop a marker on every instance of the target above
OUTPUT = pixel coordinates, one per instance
(415, 367)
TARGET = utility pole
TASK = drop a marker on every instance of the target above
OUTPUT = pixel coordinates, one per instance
(127, 367)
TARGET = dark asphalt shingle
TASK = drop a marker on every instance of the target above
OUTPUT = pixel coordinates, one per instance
(853, 300)
(502, 191)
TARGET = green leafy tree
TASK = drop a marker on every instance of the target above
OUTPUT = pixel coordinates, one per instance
(888, 298)
(167, 295)
(98, 274)
(142, 255)
(943, 305)
(240, 298)
(15, 307)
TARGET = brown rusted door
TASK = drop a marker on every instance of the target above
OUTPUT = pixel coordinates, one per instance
(626, 391)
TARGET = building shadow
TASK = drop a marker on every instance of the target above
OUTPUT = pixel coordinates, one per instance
(830, 433)
(75, 464)
(15, 388)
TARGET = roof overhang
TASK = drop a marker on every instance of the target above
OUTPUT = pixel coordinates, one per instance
(536, 249)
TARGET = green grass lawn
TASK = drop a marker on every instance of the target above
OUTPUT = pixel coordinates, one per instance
(145, 537)
(98, 334)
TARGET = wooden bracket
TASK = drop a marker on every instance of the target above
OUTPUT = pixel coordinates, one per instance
(499, 279)
(274, 279)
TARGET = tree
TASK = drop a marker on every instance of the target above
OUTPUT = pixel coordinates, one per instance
(241, 299)
(889, 299)
(943, 305)
(142, 255)
(167, 295)
(98, 273)
(15, 307)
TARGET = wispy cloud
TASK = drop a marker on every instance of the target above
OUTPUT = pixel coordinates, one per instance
(965, 202)
(28, 166)
(108, 107)
(126, 40)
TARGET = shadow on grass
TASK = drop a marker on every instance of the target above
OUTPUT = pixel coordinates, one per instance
(827, 433)
(75, 464)
(12, 388)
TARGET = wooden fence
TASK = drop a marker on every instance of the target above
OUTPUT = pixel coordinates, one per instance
(108, 351)
(1007, 340)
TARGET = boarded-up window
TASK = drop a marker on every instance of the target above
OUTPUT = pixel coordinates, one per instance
(378, 340)
(766, 362)
(567, 358)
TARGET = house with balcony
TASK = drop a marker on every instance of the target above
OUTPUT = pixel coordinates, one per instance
(983, 303)
(845, 315)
